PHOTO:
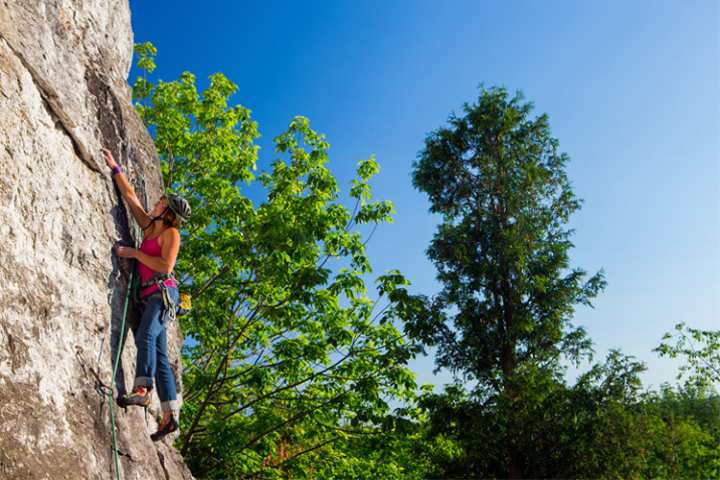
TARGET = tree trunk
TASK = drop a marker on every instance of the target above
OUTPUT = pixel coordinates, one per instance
(508, 366)
(509, 361)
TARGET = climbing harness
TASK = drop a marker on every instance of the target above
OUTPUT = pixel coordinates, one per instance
(157, 277)
(172, 310)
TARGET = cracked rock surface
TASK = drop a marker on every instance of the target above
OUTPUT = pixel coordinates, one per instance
(63, 95)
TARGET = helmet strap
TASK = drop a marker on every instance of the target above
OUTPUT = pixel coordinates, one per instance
(159, 217)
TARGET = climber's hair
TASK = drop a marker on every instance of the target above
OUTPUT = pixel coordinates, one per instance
(169, 218)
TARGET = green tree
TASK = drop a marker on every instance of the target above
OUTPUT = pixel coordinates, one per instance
(497, 178)
(288, 358)
(602, 427)
(689, 445)
(700, 349)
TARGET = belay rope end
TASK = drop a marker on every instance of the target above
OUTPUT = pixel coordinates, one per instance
(111, 392)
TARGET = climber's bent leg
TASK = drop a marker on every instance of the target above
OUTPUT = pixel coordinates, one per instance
(165, 379)
(145, 340)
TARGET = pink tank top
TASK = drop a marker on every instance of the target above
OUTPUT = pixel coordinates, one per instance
(151, 247)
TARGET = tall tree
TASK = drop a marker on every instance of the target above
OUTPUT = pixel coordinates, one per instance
(501, 252)
(290, 360)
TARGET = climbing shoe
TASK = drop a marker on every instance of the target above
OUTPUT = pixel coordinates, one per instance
(139, 396)
(170, 426)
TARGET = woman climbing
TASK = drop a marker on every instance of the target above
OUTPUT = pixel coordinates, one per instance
(159, 295)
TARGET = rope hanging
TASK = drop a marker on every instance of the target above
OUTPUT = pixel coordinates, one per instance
(130, 287)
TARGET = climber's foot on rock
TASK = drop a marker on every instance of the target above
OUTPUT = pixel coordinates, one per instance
(167, 425)
(139, 396)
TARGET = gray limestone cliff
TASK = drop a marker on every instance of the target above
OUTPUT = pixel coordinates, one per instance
(64, 94)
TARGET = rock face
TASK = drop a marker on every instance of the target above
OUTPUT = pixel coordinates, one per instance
(63, 95)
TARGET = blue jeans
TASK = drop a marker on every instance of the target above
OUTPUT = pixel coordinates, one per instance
(151, 342)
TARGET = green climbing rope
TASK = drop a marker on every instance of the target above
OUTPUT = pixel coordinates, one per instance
(117, 360)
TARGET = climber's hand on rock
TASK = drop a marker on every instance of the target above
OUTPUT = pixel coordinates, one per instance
(109, 158)
(125, 252)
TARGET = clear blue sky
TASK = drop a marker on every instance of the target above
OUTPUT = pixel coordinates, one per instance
(632, 90)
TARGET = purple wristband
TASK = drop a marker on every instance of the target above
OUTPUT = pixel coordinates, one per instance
(116, 169)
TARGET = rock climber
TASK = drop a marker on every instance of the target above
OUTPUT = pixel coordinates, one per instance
(159, 295)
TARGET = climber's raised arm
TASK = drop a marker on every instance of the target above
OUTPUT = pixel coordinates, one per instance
(141, 216)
